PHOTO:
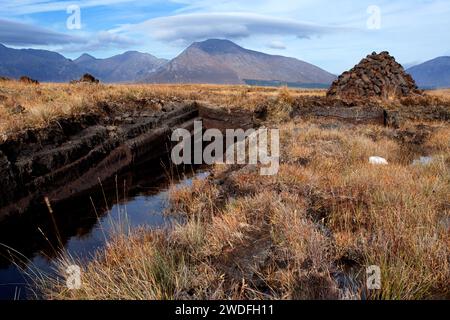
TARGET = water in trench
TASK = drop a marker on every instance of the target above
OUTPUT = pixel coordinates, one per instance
(82, 225)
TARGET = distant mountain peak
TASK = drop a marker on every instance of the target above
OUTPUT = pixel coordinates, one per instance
(133, 52)
(218, 46)
(130, 53)
(216, 42)
(224, 62)
(85, 57)
(130, 66)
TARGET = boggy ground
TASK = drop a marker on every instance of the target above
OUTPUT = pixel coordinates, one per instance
(28, 106)
(308, 232)
(57, 140)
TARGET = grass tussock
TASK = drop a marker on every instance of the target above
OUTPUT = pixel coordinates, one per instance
(308, 232)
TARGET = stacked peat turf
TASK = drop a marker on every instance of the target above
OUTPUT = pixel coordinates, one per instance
(377, 75)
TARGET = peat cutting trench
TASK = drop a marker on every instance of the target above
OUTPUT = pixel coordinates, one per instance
(71, 156)
(99, 174)
(98, 171)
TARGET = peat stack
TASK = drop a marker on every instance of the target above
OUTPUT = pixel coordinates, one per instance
(86, 78)
(377, 75)
(28, 80)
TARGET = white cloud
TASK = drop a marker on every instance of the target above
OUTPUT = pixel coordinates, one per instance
(102, 40)
(411, 29)
(230, 25)
(21, 34)
(276, 44)
(14, 8)
(286, 8)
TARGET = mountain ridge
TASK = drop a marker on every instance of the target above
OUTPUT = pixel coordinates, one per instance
(38, 64)
(434, 73)
(224, 62)
(50, 66)
(129, 66)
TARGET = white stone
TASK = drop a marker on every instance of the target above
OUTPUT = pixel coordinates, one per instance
(378, 161)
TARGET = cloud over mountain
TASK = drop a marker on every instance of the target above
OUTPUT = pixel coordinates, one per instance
(24, 35)
(230, 25)
(21, 34)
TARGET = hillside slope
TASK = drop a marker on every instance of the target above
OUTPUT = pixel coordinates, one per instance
(224, 62)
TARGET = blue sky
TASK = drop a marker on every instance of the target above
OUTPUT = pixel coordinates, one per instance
(334, 35)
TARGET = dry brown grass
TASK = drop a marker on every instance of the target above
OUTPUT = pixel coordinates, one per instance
(30, 106)
(308, 232)
(441, 93)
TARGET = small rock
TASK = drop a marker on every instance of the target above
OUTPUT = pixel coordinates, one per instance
(378, 161)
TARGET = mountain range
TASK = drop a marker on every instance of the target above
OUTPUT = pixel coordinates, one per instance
(42, 65)
(432, 74)
(211, 61)
(48, 66)
(127, 67)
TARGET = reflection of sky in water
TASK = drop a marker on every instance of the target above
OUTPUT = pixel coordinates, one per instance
(140, 210)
